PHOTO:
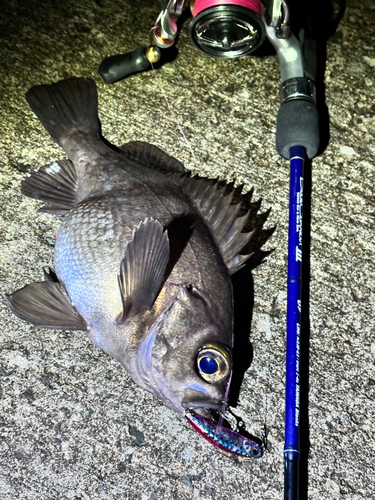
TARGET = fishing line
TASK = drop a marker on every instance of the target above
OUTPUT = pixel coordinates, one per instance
(201, 6)
(226, 396)
(225, 404)
(227, 390)
(168, 103)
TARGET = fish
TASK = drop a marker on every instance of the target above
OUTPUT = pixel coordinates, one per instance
(143, 256)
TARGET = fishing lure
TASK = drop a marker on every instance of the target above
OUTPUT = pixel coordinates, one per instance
(224, 438)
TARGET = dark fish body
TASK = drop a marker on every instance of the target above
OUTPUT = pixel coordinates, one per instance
(143, 255)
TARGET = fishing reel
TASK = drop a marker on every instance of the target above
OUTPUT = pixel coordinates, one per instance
(236, 28)
(221, 28)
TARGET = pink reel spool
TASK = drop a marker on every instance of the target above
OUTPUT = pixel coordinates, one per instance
(254, 5)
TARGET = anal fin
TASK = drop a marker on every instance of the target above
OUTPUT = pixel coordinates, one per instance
(47, 305)
(143, 267)
(55, 184)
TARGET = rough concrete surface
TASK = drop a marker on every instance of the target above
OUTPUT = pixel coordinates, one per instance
(72, 423)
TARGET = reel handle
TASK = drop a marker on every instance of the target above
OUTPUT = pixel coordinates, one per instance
(115, 68)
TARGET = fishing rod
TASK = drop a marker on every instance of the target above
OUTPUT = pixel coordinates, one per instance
(297, 138)
(233, 28)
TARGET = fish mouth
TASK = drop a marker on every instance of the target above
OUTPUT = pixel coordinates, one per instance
(200, 402)
(208, 411)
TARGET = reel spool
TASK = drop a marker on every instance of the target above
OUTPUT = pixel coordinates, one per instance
(227, 28)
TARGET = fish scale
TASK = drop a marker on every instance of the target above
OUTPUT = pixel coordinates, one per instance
(81, 238)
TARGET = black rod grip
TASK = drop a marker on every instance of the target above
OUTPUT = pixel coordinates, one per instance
(291, 475)
(114, 68)
(297, 125)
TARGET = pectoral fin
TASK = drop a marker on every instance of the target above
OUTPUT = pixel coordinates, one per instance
(47, 305)
(143, 267)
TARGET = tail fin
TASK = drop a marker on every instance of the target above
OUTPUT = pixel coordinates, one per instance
(66, 106)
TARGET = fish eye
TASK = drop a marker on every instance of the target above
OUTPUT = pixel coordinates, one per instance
(214, 362)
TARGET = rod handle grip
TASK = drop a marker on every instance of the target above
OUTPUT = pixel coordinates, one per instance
(297, 125)
(115, 68)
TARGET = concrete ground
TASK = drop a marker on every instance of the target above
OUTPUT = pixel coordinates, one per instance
(73, 424)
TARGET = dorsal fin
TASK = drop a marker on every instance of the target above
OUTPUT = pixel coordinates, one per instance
(151, 156)
(55, 184)
(221, 218)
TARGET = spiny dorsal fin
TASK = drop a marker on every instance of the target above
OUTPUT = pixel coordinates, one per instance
(143, 267)
(55, 184)
(221, 218)
(151, 156)
(47, 305)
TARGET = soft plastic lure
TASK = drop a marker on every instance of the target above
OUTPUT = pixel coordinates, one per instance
(224, 438)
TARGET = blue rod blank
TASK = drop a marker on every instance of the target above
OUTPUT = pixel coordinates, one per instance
(293, 330)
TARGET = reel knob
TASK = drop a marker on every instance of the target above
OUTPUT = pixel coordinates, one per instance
(115, 68)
